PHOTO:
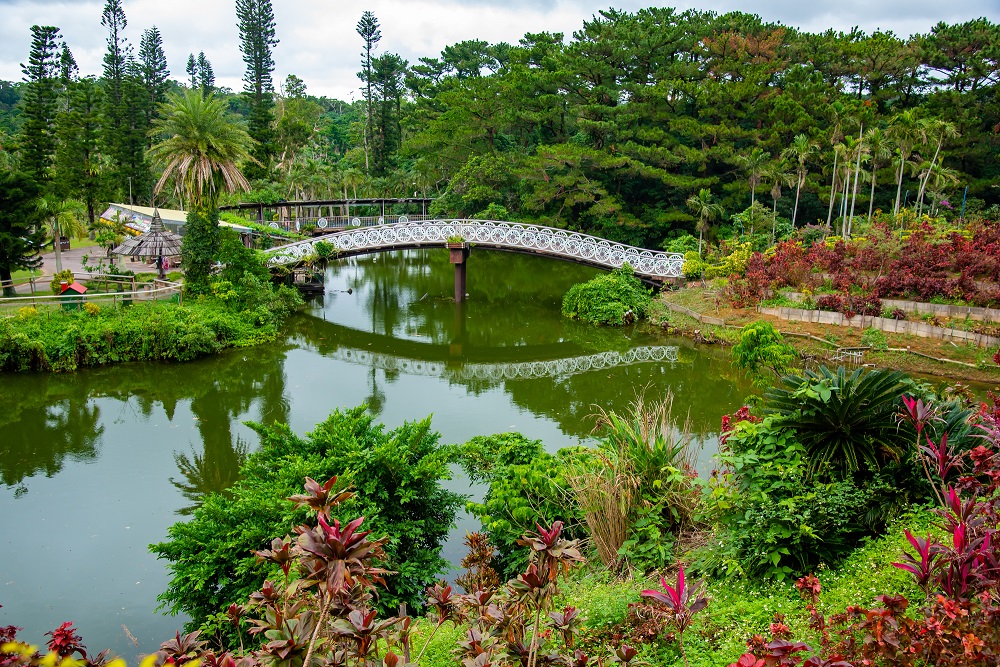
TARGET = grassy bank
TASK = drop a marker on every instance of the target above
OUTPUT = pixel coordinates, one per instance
(738, 608)
(160, 331)
(803, 336)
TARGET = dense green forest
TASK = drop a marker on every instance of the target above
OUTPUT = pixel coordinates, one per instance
(629, 128)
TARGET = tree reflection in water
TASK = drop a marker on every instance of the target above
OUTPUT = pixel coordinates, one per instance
(51, 419)
(37, 438)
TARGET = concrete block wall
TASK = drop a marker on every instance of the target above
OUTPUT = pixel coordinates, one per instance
(923, 308)
(920, 329)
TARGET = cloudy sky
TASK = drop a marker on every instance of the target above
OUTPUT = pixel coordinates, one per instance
(318, 42)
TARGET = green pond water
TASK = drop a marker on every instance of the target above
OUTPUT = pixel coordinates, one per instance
(96, 465)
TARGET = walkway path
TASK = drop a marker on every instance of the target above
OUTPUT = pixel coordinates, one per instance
(72, 260)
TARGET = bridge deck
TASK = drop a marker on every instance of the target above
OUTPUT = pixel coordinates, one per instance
(508, 236)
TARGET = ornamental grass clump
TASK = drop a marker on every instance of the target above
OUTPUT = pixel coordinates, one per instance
(637, 490)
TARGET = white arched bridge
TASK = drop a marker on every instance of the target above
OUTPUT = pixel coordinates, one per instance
(509, 236)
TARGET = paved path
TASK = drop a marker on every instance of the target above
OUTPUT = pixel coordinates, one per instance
(72, 259)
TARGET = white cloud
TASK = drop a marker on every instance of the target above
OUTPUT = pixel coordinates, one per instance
(320, 45)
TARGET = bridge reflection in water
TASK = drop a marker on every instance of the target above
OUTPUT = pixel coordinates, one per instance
(515, 370)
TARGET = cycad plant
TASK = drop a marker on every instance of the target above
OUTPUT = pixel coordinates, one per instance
(845, 421)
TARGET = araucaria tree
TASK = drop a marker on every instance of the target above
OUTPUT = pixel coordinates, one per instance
(38, 140)
(78, 171)
(125, 122)
(370, 33)
(21, 234)
(256, 23)
(206, 75)
(153, 67)
(200, 151)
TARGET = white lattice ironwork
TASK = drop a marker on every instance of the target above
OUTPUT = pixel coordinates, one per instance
(490, 234)
(523, 370)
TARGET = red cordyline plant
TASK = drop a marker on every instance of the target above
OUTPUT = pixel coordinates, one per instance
(681, 602)
(959, 619)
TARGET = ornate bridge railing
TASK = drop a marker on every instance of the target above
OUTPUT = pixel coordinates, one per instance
(490, 234)
(521, 370)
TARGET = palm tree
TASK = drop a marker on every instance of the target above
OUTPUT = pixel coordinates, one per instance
(800, 150)
(939, 176)
(879, 149)
(943, 130)
(776, 174)
(110, 232)
(836, 136)
(753, 166)
(702, 206)
(859, 149)
(63, 217)
(838, 148)
(907, 130)
(201, 149)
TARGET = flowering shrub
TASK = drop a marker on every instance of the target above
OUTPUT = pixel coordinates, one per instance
(830, 302)
(729, 422)
(921, 263)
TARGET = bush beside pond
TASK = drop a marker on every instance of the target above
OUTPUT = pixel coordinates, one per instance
(160, 331)
(608, 299)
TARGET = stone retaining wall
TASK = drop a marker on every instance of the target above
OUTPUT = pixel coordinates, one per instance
(923, 308)
(920, 329)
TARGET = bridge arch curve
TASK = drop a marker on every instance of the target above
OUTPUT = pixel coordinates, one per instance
(497, 235)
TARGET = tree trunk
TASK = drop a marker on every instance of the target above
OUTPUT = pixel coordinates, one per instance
(899, 184)
(930, 169)
(854, 199)
(774, 221)
(57, 246)
(795, 211)
(833, 190)
(8, 282)
(871, 198)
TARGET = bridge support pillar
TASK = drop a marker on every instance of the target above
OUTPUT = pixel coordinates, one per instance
(459, 255)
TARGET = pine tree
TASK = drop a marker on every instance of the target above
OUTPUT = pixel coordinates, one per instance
(78, 158)
(192, 70)
(135, 135)
(21, 233)
(153, 66)
(256, 24)
(37, 139)
(68, 69)
(368, 28)
(206, 76)
(388, 72)
(117, 125)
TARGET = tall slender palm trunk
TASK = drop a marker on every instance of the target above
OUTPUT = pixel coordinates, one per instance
(833, 190)
(923, 183)
(795, 210)
(871, 197)
(899, 184)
